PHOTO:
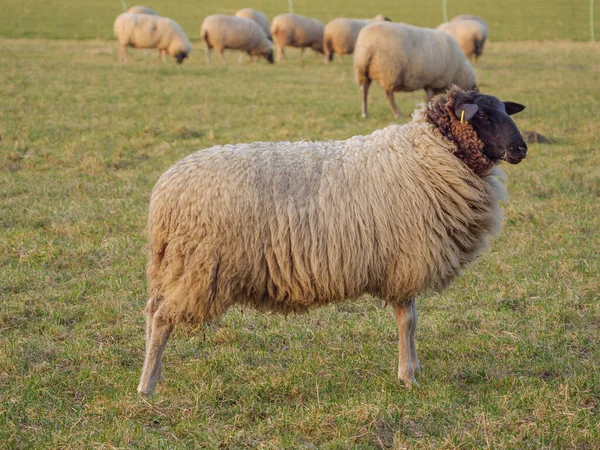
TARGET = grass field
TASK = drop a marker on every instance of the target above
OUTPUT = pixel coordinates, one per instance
(510, 352)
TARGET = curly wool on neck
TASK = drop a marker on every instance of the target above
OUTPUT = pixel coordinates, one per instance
(440, 112)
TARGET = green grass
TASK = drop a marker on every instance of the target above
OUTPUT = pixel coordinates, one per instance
(510, 352)
(509, 20)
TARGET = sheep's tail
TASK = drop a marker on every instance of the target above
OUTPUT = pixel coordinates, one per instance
(362, 61)
(204, 37)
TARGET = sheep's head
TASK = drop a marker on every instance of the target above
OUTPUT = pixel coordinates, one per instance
(179, 57)
(481, 127)
(269, 55)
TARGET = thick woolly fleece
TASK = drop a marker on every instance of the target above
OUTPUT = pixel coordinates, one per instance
(150, 31)
(259, 17)
(288, 226)
(471, 34)
(340, 34)
(222, 31)
(293, 30)
(402, 57)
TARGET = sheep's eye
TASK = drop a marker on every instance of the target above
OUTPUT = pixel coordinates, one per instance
(481, 115)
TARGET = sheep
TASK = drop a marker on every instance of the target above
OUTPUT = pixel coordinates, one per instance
(470, 32)
(141, 10)
(222, 31)
(289, 226)
(297, 31)
(340, 35)
(258, 17)
(402, 57)
(150, 31)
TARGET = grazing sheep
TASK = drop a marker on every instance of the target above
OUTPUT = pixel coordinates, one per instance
(258, 17)
(297, 31)
(288, 226)
(470, 32)
(402, 57)
(222, 31)
(340, 35)
(141, 10)
(149, 31)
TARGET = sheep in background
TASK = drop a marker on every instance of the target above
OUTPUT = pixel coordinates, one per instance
(288, 226)
(150, 31)
(293, 30)
(401, 57)
(340, 35)
(470, 32)
(258, 17)
(221, 31)
(141, 10)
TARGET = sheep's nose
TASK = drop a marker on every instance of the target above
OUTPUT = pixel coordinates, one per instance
(519, 148)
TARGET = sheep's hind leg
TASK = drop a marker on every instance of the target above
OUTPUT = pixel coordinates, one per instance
(157, 333)
(390, 98)
(365, 93)
(405, 320)
(223, 60)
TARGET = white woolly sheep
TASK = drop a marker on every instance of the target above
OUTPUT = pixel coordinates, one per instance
(221, 31)
(150, 31)
(293, 30)
(259, 17)
(339, 36)
(470, 32)
(141, 10)
(401, 57)
(289, 226)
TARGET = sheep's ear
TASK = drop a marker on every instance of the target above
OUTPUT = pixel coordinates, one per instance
(469, 108)
(513, 108)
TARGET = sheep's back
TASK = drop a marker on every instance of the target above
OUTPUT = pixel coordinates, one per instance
(258, 17)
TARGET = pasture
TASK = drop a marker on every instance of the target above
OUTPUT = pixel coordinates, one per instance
(510, 352)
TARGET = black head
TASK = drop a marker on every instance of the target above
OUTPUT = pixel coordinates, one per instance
(491, 120)
(269, 56)
(180, 57)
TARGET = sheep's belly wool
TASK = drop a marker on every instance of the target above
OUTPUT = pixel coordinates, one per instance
(290, 225)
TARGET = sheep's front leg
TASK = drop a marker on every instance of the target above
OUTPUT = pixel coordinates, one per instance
(157, 333)
(222, 55)
(406, 320)
(390, 98)
(123, 53)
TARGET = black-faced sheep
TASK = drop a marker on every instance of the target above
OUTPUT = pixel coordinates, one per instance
(401, 57)
(288, 226)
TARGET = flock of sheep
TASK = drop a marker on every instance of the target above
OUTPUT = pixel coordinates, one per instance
(288, 226)
(398, 56)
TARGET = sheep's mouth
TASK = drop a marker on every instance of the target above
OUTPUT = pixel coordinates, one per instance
(513, 159)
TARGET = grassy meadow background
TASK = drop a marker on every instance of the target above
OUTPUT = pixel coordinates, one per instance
(510, 353)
